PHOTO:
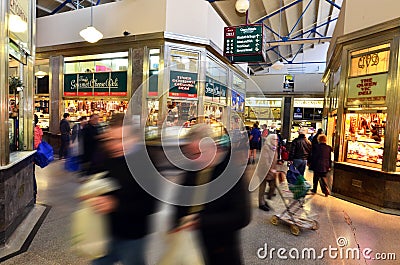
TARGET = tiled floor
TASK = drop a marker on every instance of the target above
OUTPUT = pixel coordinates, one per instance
(353, 226)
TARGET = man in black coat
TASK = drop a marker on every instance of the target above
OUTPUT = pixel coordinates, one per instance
(65, 131)
(320, 162)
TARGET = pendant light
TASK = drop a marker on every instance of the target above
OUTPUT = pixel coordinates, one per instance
(91, 34)
(242, 6)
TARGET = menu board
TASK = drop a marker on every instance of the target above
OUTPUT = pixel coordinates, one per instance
(244, 43)
(183, 84)
(96, 84)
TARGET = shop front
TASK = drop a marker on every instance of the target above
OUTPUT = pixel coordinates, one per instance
(16, 115)
(179, 84)
(363, 116)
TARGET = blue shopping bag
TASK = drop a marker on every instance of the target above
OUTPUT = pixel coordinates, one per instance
(292, 174)
(72, 164)
(44, 154)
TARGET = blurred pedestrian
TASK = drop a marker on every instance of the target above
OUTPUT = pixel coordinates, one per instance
(130, 206)
(65, 131)
(300, 150)
(90, 145)
(320, 162)
(219, 221)
(266, 169)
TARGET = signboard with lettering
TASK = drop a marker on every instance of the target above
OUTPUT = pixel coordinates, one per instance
(244, 43)
(215, 91)
(298, 113)
(96, 84)
(367, 90)
(182, 84)
(288, 83)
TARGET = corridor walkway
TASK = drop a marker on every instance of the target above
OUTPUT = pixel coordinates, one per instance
(341, 223)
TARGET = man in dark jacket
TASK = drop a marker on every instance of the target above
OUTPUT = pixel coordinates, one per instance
(65, 131)
(320, 162)
(90, 143)
(300, 151)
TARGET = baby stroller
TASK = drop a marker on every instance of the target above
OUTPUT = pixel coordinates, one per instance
(294, 214)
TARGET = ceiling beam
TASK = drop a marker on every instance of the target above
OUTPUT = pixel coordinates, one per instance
(43, 9)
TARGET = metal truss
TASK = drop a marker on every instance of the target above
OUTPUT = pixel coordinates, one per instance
(291, 37)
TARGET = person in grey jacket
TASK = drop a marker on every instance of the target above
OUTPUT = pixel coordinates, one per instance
(300, 151)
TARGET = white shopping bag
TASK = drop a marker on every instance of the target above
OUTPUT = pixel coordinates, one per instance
(183, 248)
(90, 230)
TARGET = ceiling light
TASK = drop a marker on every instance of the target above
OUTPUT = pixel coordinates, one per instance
(91, 34)
(242, 6)
(16, 24)
(278, 65)
(40, 74)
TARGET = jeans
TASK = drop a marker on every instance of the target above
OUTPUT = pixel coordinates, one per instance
(127, 252)
(300, 164)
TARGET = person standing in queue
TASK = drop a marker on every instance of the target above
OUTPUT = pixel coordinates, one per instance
(65, 130)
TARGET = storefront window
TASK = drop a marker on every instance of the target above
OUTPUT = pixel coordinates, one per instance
(364, 137)
(264, 110)
(307, 113)
(95, 84)
(97, 63)
(184, 61)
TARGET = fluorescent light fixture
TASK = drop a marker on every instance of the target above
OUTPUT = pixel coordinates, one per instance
(278, 65)
(40, 74)
(242, 6)
(91, 34)
(16, 24)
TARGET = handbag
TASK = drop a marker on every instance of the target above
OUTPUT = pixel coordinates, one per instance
(44, 154)
(90, 233)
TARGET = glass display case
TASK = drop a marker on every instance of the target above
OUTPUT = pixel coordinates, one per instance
(364, 138)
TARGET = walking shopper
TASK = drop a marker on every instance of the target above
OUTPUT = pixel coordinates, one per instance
(300, 151)
(255, 139)
(320, 162)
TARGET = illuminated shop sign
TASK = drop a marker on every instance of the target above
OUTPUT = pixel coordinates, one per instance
(183, 84)
(370, 61)
(367, 90)
(96, 84)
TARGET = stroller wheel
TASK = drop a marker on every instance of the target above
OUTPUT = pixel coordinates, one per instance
(274, 220)
(315, 225)
(295, 230)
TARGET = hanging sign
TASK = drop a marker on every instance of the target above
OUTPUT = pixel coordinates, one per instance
(96, 84)
(288, 83)
(244, 43)
(183, 84)
(367, 90)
